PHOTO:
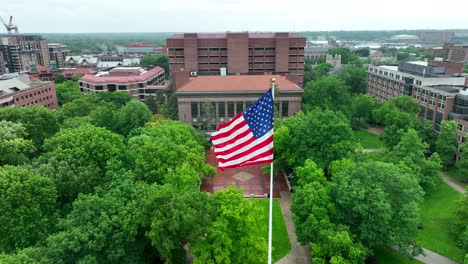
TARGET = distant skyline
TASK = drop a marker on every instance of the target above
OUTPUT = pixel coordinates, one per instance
(90, 16)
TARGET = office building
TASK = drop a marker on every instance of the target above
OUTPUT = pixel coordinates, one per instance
(20, 51)
(135, 80)
(58, 53)
(238, 53)
(22, 91)
(450, 52)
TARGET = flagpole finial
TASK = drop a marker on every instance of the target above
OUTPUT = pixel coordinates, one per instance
(273, 80)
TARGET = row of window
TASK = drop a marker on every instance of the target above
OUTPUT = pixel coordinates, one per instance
(230, 109)
(34, 94)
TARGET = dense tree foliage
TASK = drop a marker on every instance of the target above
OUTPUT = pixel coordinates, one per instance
(161, 60)
(132, 115)
(363, 106)
(321, 136)
(460, 223)
(379, 202)
(328, 93)
(355, 77)
(27, 203)
(447, 142)
(39, 122)
(14, 148)
(67, 91)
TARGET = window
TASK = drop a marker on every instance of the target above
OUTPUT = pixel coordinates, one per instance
(111, 87)
(140, 85)
(230, 106)
(99, 87)
(221, 109)
(142, 96)
(194, 107)
(240, 107)
(284, 108)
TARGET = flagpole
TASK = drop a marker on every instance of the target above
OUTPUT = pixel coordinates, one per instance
(270, 219)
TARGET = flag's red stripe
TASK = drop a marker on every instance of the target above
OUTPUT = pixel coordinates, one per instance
(229, 132)
(247, 163)
(266, 142)
(223, 125)
(234, 139)
(228, 151)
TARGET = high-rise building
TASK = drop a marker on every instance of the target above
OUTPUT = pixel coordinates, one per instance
(2, 64)
(238, 54)
(20, 51)
(58, 53)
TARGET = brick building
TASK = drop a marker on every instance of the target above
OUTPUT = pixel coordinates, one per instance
(20, 51)
(135, 80)
(58, 53)
(440, 94)
(139, 49)
(231, 95)
(438, 36)
(238, 54)
(450, 52)
(22, 91)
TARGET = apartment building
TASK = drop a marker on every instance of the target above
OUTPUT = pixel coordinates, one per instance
(22, 91)
(440, 93)
(20, 51)
(135, 80)
(58, 53)
(231, 95)
(238, 54)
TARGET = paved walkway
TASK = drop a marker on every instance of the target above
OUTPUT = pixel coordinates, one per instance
(430, 257)
(298, 254)
(375, 130)
(457, 187)
(373, 150)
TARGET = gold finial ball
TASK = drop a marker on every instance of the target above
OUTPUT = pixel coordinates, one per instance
(273, 80)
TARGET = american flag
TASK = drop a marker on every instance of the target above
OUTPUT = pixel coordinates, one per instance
(248, 138)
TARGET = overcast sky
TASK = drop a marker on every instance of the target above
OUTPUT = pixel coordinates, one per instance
(232, 15)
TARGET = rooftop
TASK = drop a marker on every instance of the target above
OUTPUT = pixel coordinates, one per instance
(237, 83)
(144, 75)
(11, 86)
(138, 45)
(250, 34)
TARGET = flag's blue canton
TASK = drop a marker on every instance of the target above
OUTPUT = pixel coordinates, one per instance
(259, 116)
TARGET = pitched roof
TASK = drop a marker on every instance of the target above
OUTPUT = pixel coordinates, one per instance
(237, 83)
(122, 79)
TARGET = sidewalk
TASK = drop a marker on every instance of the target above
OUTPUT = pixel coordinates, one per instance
(457, 187)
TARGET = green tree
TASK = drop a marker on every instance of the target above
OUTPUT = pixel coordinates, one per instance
(78, 108)
(118, 98)
(363, 52)
(60, 78)
(355, 77)
(67, 91)
(76, 77)
(158, 150)
(404, 104)
(379, 202)
(363, 106)
(321, 136)
(447, 142)
(344, 52)
(104, 116)
(401, 56)
(132, 115)
(328, 93)
(337, 247)
(236, 234)
(396, 124)
(39, 122)
(207, 117)
(27, 203)
(87, 145)
(14, 148)
(426, 131)
(462, 164)
(411, 152)
(160, 60)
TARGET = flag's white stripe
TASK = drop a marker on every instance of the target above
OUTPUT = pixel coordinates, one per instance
(231, 126)
(269, 157)
(235, 143)
(231, 136)
(247, 147)
(247, 157)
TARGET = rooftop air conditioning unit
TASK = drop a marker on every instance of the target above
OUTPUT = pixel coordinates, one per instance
(194, 73)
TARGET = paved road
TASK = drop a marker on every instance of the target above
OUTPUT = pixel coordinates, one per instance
(457, 187)
(430, 257)
(298, 254)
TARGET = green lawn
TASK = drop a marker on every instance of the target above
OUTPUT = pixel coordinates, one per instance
(455, 175)
(376, 156)
(281, 245)
(436, 212)
(368, 140)
(390, 256)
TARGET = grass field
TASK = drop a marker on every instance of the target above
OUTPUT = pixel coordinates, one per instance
(376, 156)
(368, 140)
(455, 175)
(281, 245)
(390, 256)
(437, 212)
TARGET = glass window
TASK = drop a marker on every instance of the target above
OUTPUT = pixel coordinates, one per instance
(240, 106)
(194, 107)
(230, 109)
(122, 87)
(284, 108)
(221, 109)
